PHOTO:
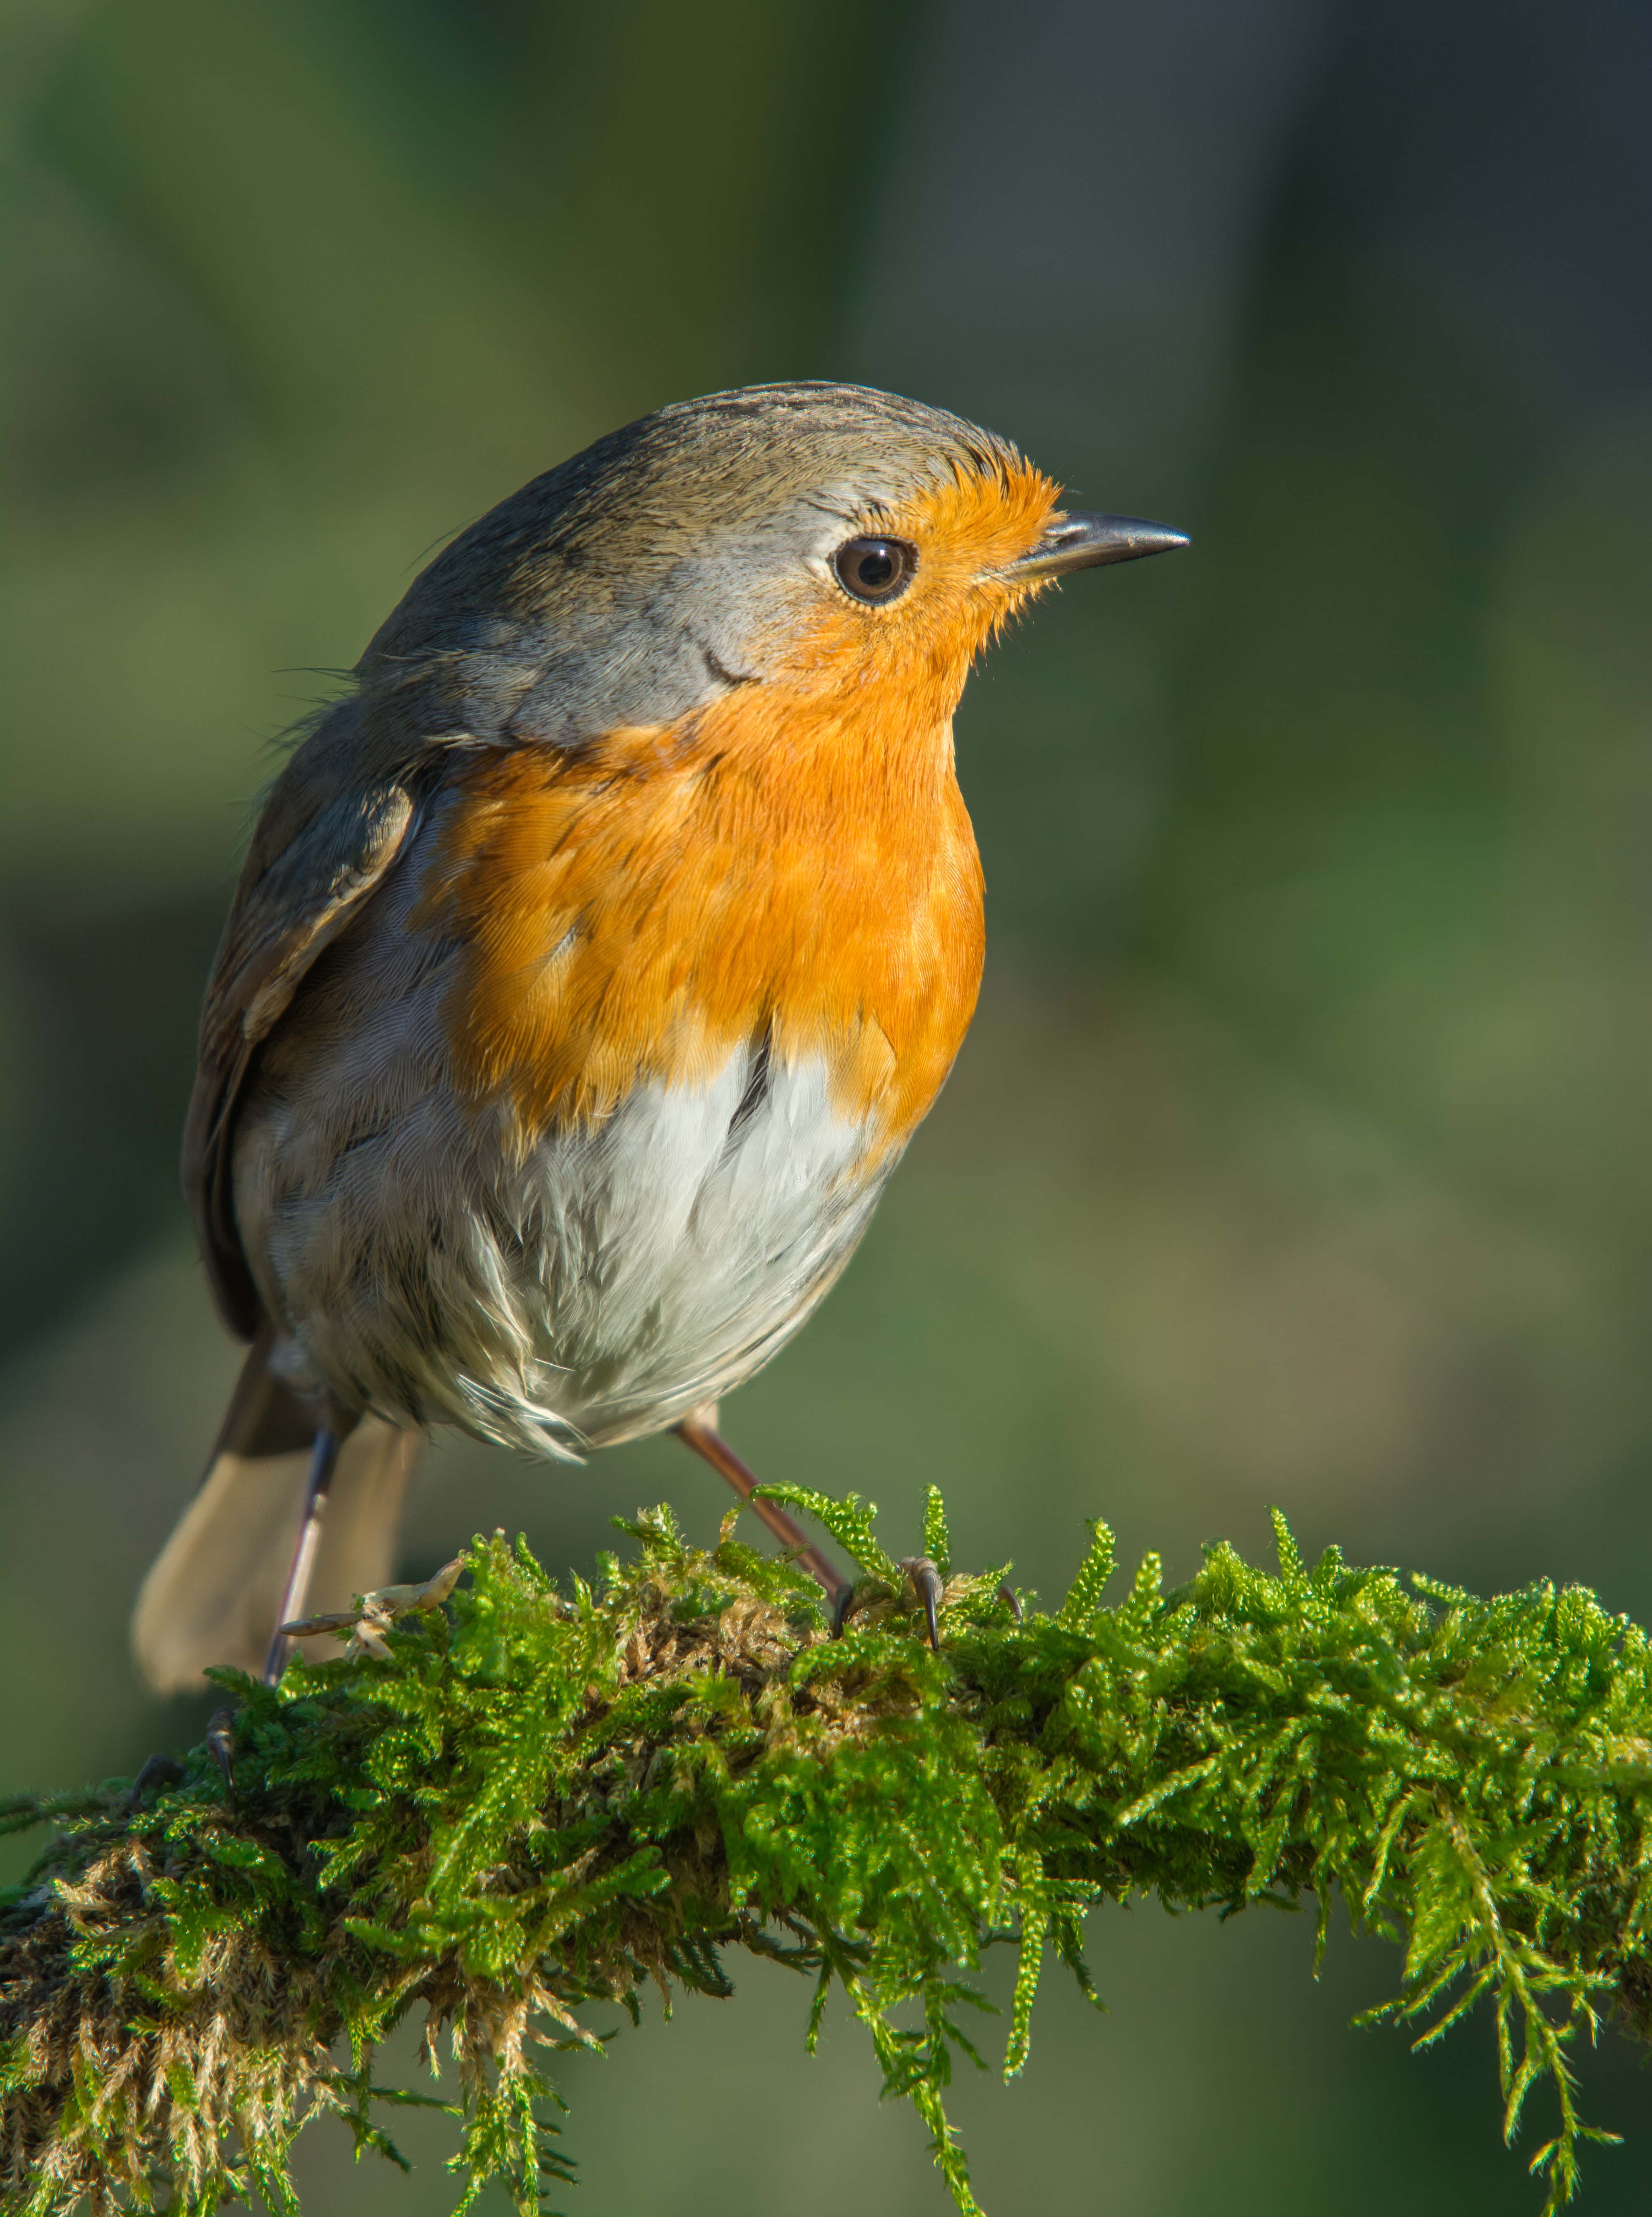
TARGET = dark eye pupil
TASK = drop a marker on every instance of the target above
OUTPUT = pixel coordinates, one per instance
(874, 569)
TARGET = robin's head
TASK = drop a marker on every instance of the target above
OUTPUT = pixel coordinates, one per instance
(814, 537)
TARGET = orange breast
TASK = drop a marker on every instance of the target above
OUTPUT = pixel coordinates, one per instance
(789, 863)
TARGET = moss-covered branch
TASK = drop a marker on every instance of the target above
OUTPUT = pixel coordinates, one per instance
(542, 1799)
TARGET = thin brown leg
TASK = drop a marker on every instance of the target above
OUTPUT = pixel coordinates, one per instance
(323, 1462)
(701, 1435)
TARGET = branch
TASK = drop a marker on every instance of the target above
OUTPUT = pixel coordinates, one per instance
(498, 1814)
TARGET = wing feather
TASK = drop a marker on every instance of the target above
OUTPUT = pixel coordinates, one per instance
(331, 829)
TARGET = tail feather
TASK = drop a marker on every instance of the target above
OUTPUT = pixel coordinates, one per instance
(213, 1593)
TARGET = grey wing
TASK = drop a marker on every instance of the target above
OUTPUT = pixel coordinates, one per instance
(328, 834)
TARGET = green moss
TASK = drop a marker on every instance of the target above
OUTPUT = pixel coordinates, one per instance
(546, 1798)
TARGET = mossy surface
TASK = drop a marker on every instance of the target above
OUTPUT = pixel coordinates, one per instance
(547, 1798)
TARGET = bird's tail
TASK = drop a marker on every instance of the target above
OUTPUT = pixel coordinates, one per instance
(214, 1592)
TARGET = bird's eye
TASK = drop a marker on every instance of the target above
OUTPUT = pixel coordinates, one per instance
(875, 570)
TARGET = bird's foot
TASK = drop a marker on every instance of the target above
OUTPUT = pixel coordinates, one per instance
(220, 1745)
(933, 1590)
(367, 1623)
(159, 1772)
(930, 1588)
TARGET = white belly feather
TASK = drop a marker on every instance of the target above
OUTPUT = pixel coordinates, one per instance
(599, 1289)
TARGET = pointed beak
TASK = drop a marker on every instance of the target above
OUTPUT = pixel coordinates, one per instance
(1085, 542)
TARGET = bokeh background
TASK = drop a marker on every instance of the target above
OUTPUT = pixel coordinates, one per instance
(1299, 1153)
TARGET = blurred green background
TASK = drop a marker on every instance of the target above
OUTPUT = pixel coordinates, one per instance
(1299, 1151)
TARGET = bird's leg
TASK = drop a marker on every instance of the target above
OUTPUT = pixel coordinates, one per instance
(323, 1462)
(700, 1432)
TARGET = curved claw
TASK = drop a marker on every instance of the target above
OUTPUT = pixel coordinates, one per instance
(927, 1584)
(159, 1772)
(843, 1603)
(220, 1745)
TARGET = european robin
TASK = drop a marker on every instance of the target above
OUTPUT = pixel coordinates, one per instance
(594, 959)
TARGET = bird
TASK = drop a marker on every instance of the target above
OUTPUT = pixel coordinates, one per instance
(595, 956)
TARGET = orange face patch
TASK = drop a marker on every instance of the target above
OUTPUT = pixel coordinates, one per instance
(794, 861)
(919, 647)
